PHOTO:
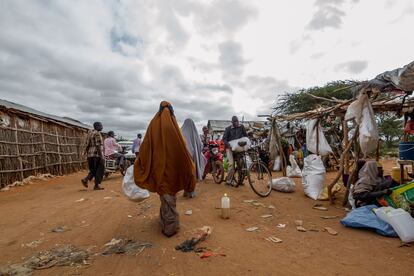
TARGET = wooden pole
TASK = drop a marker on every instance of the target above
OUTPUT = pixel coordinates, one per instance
(353, 177)
(45, 158)
(16, 137)
(58, 145)
(281, 153)
(341, 166)
(317, 136)
(345, 142)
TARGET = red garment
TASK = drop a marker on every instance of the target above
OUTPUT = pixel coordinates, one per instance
(409, 127)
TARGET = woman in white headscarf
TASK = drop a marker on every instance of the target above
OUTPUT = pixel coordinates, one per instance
(370, 185)
(195, 148)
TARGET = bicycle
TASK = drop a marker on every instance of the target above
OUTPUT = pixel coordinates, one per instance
(258, 175)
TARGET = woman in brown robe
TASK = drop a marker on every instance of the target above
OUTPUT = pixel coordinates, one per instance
(164, 165)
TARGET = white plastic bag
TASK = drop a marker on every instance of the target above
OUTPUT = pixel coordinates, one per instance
(276, 165)
(130, 189)
(400, 220)
(235, 146)
(311, 141)
(249, 161)
(293, 170)
(283, 184)
(313, 176)
(361, 110)
(351, 199)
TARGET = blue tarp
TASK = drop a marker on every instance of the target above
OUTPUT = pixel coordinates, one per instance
(364, 217)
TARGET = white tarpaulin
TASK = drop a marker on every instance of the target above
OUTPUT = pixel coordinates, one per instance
(311, 139)
(361, 110)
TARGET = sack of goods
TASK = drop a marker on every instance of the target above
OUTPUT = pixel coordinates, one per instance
(293, 170)
(130, 189)
(313, 176)
(239, 145)
(277, 165)
(283, 184)
(400, 220)
(314, 134)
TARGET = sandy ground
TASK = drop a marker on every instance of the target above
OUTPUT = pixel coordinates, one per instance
(28, 213)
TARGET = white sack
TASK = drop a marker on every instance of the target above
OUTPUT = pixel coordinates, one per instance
(313, 176)
(235, 146)
(277, 165)
(311, 141)
(130, 189)
(283, 184)
(293, 170)
(361, 110)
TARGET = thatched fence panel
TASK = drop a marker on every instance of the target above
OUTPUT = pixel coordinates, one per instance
(31, 145)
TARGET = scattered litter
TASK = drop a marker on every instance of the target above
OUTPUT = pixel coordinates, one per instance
(267, 216)
(320, 207)
(331, 231)
(251, 229)
(60, 229)
(125, 246)
(108, 197)
(210, 254)
(271, 207)
(33, 244)
(129, 216)
(188, 212)
(301, 229)
(66, 255)
(28, 180)
(258, 204)
(281, 225)
(200, 234)
(404, 244)
(80, 200)
(248, 201)
(299, 222)
(273, 239)
(329, 217)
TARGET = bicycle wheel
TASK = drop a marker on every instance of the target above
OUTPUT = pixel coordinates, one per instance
(240, 173)
(260, 179)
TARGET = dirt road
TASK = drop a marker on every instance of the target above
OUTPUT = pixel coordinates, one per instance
(28, 213)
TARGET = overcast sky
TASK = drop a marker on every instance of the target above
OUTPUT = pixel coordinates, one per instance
(114, 61)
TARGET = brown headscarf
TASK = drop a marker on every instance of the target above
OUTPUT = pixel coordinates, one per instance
(164, 165)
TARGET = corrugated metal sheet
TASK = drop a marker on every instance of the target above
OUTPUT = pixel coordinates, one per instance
(36, 113)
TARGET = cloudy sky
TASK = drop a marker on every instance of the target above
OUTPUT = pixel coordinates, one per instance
(115, 60)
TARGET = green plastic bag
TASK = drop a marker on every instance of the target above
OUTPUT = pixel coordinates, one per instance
(226, 164)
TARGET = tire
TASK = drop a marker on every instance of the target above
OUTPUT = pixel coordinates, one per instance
(218, 172)
(260, 179)
(123, 170)
(239, 173)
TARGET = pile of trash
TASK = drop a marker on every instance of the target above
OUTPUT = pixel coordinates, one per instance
(125, 246)
(28, 180)
(66, 255)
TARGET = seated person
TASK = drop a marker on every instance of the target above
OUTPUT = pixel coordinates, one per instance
(111, 147)
(370, 185)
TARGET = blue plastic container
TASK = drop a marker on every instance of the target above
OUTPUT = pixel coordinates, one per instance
(406, 150)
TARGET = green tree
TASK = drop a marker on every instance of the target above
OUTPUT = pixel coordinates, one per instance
(390, 128)
(301, 101)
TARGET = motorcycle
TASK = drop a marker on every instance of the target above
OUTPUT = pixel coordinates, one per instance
(214, 162)
(112, 165)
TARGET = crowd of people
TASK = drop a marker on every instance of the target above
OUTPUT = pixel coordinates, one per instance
(169, 160)
(172, 159)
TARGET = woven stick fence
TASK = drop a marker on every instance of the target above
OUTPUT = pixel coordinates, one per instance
(31, 146)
